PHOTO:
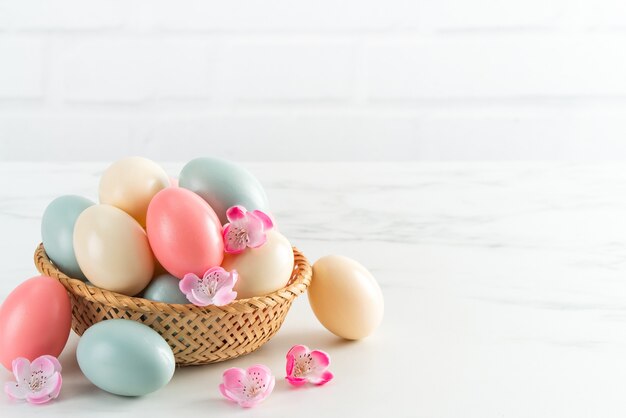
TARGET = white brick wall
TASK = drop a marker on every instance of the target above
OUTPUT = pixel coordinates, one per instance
(338, 80)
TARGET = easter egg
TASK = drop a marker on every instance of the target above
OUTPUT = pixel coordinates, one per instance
(264, 269)
(164, 288)
(57, 231)
(345, 297)
(223, 184)
(112, 250)
(130, 184)
(35, 320)
(125, 357)
(184, 232)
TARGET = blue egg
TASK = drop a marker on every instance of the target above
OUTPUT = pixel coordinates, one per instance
(164, 288)
(125, 357)
(57, 232)
(223, 184)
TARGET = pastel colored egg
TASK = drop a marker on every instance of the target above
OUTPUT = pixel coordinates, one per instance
(345, 297)
(264, 269)
(57, 231)
(223, 184)
(35, 320)
(125, 357)
(112, 250)
(130, 184)
(164, 288)
(184, 232)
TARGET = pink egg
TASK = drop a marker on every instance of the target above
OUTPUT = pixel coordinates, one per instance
(35, 320)
(184, 232)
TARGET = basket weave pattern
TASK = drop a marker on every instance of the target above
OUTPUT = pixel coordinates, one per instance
(197, 335)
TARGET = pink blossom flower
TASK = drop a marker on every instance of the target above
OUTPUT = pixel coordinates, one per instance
(37, 382)
(215, 287)
(304, 365)
(247, 387)
(246, 229)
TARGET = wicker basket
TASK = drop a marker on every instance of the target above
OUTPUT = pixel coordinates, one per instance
(197, 335)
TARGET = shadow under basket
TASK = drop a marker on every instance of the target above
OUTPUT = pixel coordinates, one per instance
(197, 335)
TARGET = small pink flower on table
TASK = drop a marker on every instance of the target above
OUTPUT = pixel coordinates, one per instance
(247, 387)
(245, 229)
(215, 287)
(36, 382)
(304, 365)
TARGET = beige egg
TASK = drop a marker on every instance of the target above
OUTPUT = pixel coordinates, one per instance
(262, 270)
(112, 250)
(345, 297)
(131, 183)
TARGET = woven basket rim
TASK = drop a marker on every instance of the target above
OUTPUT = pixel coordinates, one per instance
(298, 283)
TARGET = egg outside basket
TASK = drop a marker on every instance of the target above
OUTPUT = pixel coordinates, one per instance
(197, 335)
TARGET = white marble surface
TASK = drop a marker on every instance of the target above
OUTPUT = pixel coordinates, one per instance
(504, 284)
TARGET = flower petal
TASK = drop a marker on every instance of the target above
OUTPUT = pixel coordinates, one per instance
(236, 213)
(234, 377)
(321, 360)
(37, 399)
(216, 273)
(226, 393)
(192, 299)
(270, 387)
(259, 371)
(256, 234)
(21, 369)
(224, 296)
(257, 240)
(57, 388)
(231, 279)
(296, 381)
(189, 281)
(325, 377)
(267, 221)
(56, 362)
(15, 391)
(199, 298)
(46, 364)
(249, 403)
(298, 351)
(291, 362)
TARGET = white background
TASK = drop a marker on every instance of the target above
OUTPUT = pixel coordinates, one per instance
(313, 80)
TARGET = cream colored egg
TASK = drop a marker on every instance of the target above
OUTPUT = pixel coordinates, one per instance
(345, 297)
(112, 250)
(131, 183)
(262, 270)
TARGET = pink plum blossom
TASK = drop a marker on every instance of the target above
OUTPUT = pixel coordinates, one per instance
(304, 365)
(215, 287)
(247, 387)
(245, 229)
(36, 382)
